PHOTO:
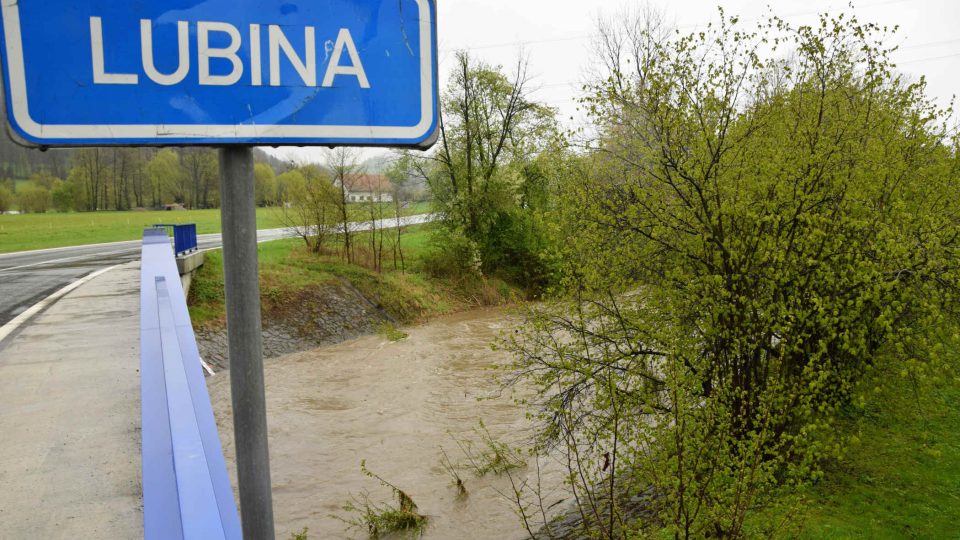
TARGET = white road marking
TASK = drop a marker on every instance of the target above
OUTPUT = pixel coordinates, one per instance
(68, 259)
(19, 320)
(68, 248)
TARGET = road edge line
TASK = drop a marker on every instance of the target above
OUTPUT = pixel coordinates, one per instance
(44, 250)
(35, 309)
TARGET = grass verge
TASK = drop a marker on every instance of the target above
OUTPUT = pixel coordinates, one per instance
(901, 477)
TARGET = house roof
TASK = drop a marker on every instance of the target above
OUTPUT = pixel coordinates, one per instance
(369, 183)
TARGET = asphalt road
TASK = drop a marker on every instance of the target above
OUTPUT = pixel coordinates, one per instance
(26, 277)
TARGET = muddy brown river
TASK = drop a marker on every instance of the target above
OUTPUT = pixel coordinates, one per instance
(393, 404)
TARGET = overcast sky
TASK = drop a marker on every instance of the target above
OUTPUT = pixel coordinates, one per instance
(556, 36)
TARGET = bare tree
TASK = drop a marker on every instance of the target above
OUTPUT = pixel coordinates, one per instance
(399, 174)
(625, 46)
(313, 209)
(342, 162)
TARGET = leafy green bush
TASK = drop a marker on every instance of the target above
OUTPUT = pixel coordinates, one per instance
(489, 455)
(391, 332)
(6, 199)
(451, 254)
(63, 196)
(34, 200)
(516, 247)
(751, 237)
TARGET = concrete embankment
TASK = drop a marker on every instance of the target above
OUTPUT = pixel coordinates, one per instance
(323, 314)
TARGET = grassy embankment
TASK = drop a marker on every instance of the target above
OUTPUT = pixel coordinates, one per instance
(287, 269)
(51, 230)
(901, 478)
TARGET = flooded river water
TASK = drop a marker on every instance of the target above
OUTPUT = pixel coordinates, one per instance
(393, 404)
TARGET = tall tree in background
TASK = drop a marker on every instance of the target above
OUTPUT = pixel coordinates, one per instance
(201, 167)
(122, 168)
(490, 131)
(374, 211)
(484, 115)
(399, 173)
(265, 187)
(313, 210)
(6, 199)
(89, 175)
(140, 184)
(166, 178)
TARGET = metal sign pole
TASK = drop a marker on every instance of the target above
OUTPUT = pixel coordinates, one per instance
(242, 287)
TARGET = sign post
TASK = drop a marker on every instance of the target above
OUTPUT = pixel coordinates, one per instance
(230, 74)
(242, 287)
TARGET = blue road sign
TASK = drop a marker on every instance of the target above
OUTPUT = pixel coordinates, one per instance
(215, 72)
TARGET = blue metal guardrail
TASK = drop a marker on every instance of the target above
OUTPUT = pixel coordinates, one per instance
(184, 236)
(186, 489)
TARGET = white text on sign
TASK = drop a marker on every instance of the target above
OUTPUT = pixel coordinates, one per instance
(277, 43)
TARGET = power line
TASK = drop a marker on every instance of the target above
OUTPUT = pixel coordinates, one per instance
(530, 42)
(585, 37)
(913, 61)
(929, 44)
(930, 59)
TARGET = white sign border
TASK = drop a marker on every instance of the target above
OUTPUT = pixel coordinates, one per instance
(53, 133)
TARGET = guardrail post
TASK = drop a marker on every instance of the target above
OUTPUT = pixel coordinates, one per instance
(242, 287)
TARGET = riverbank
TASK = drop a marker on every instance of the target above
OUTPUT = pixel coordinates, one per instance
(312, 300)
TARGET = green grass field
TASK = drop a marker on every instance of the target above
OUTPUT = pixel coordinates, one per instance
(39, 231)
(902, 479)
(51, 230)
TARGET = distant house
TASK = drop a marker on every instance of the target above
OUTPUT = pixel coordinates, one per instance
(369, 188)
